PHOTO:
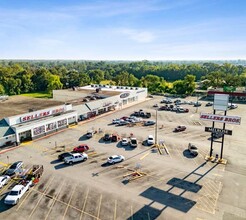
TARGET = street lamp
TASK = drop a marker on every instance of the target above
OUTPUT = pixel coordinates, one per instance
(156, 127)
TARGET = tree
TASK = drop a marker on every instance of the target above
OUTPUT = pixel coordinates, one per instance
(53, 83)
(190, 84)
(2, 90)
(179, 87)
(96, 75)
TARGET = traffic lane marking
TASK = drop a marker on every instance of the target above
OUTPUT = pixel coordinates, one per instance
(145, 155)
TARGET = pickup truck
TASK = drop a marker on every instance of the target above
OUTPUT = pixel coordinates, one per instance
(76, 157)
(17, 192)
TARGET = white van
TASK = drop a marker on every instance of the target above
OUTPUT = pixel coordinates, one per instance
(150, 140)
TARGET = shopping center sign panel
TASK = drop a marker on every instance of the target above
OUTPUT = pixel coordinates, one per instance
(236, 120)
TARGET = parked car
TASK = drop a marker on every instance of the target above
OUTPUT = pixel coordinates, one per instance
(166, 101)
(163, 108)
(133, 142)
(182, 110)
(76, 157)
(232, 106)
(193, 149)
(90, 133)
(4, 180)
(197, 104)
(180, 128)
(147, 123)
(123, 123)
(116, 121)
(107, 137)
(81, 148)
(115, 159)
(63, 155)
(155, 105)
(209, 104)
(124, 142)
(150, 140)
(115, 137)
(14, 169)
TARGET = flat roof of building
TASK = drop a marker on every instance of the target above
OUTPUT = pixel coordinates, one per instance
(16, 105)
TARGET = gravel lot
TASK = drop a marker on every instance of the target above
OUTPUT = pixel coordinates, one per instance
(174, 185)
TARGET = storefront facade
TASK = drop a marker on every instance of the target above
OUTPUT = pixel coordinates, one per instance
(36, 124)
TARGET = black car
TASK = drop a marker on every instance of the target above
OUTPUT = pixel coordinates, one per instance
(197, 104)
(209, 104)
(63, 155)
(14, 169)
(107, 137)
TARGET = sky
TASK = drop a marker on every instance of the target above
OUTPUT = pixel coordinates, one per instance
(123, 29)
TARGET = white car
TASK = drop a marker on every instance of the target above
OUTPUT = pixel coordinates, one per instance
(150, 140)
(115, 159)
(4, 180)
(133, 142)
(147, 123)
(124, 142)
(76, 157)
(232, 106)
(193, 149)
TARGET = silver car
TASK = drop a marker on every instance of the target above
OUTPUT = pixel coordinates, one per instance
(115, 159)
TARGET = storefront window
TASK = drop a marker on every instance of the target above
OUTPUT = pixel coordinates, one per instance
(62, 123)
(51, 126)
(39, 130)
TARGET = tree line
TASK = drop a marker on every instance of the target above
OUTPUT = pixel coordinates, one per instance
(17, 77)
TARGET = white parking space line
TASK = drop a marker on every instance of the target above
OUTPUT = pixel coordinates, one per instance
(68, 204)
(54, 200)
(46, 189)
(83, 209)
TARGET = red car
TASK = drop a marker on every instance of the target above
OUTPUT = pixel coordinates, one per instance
(81, 148)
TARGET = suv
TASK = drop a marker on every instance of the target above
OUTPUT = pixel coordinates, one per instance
(107, 137)
(76, 157)
(193, 149)
(133, 142)
(150, 140)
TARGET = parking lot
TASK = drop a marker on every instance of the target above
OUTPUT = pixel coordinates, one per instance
(173, 184)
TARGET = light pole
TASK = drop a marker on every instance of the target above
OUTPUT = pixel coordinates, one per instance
(196, 102)
(156, 127)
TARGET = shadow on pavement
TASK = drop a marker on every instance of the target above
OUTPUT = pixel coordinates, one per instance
(187, 154)
(55, 161)
(169, 199)
(83, 138)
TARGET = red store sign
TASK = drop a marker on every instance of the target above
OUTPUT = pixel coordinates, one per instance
(41, 114)
(221, 118)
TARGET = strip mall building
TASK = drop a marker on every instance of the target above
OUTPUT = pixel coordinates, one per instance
(36, 124)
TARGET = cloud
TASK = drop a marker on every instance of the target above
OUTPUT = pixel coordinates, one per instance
(138, 35)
